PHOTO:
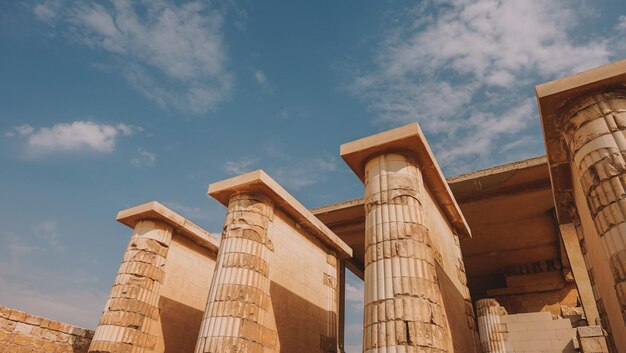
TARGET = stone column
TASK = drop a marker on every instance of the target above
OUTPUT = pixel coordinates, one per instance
(489, 326)
(403, 305)
(594, 130)
(133, 302)
(239, 294)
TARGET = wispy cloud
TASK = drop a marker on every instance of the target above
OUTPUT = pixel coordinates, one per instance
(465, 69)
(354, 294)
(240, 166)
(195, 213)
(262, 80)
(70, 137)
(31, 279)
(173, 54)
(143, 158)
(304, 172)
(291, 173)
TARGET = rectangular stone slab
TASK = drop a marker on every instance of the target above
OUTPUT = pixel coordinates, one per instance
(408, 138)
(155, 210)
(259, 182)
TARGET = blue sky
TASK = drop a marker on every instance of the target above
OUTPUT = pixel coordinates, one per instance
(110, 104)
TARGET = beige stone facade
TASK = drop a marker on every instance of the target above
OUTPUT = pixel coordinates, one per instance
(524, 257)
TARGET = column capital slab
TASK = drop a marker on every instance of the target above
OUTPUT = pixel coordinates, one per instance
(408, 138)
(552, 98)
(260, 182)
(156, 211)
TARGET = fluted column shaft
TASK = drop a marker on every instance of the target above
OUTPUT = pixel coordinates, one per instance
(490, 328)
(133, 302)
(403, 305)
(594, 130)
(239, 293)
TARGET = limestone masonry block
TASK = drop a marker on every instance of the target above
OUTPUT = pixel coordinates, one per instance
(21, 332)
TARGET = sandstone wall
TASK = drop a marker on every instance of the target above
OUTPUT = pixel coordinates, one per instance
(538, 332)
(600, 274)
(452, 280)
(303, 288)
(24, 333)
(188, 274)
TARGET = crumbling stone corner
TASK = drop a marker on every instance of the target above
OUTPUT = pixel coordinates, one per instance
(133, 302)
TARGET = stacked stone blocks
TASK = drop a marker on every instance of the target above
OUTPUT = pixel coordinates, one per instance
(594, 130)
(239, 295)
(403, 305)
(21, 332)
(132, 306)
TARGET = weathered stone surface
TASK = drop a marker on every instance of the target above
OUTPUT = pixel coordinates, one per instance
(591, 339)
(594, 131)
(403, 305)
(239, 295)
(133, 303)
(23, 332)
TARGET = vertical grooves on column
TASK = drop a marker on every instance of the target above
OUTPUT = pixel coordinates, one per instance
(403, 308)
(134, 299)
(239, 293)
(594, 132)
(492, 339)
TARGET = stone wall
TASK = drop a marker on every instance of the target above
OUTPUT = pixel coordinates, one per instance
(463, 334)
(519, 333)
(21, 332)
(188, 274)
(538, 332)
(303, 290)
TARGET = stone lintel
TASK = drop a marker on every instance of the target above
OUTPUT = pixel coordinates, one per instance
(408, 138)
(259, 182)
(156, 211)
(552, 98)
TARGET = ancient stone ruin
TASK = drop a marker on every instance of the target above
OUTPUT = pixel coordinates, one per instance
(524, 257)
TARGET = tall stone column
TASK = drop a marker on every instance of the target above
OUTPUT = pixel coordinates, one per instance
(489, 326)
(594, 130)
(403, 305)
(133, 302)
(239, 295)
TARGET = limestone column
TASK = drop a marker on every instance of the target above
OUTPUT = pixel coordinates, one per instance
(489, 326)
(133, 302)
(239, 294)
(594, 130)
(403, 305)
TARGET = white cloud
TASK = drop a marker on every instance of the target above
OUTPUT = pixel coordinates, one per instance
(75, 136)
(172, 54)
(241, 166)
(263, 82)
(260, 77)
(47, 10)
(293, 174)
(143, 158)
(354, 295)
(304, 172)
(621, 23)
(195, 213)
(463, 69)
